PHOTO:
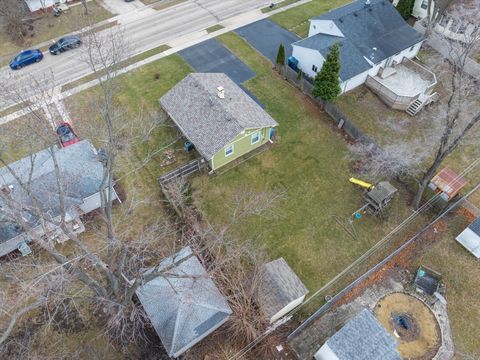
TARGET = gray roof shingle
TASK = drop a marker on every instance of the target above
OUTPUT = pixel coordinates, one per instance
(364, 338)
(81, 176)
(278, 287)
(183, 305)
(209, 122)
(378, 25)
(475, 226)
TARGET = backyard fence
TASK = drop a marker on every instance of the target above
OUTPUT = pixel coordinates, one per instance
(340, 119)
(182, 171)
(331, 302)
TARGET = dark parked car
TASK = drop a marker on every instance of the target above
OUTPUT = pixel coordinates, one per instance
(66, 135)
(64, 44)
(26, 57)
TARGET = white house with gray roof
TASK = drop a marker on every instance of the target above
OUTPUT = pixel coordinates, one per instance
(80, 180)
(183, 305)
(279, 290)
(362, 338)
(218, 117)
(371, 35)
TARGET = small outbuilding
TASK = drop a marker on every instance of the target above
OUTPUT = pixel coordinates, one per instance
(470, 238)
(280, 290)
(362, 338)
(447, 183)
(183, 305)
(218, 117)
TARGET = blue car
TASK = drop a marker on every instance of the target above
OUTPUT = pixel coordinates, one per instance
(26, 57)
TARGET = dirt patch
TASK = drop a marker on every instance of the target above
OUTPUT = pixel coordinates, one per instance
(411, 323)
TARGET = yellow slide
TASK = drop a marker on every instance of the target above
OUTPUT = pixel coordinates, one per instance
(362, 183)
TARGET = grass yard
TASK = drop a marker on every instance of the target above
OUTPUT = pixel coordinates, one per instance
(125, 63)
(279, 5)
(310, 228)
(460, 273)
(48, 27)
(296, 19)
(214, 28)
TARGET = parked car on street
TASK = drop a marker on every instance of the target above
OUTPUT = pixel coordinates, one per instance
(26, 57)
(66, 135)
(65, 43)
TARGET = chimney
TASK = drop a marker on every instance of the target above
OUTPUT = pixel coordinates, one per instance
(221, 92)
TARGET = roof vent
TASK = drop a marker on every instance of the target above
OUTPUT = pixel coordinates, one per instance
(355, 14)
(367, 2)
(221, 92)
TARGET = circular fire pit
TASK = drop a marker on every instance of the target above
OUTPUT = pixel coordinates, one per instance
(411, 323)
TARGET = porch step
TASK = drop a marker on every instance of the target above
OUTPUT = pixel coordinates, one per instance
(415, 107)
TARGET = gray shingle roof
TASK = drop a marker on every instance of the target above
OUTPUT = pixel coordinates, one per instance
(475, 226)
(378, 25)
(278, 287)
(184, 305)
(364, 338)
(81, 175)
(209, 122)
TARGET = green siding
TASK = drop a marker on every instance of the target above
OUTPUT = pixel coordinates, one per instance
(241, 146)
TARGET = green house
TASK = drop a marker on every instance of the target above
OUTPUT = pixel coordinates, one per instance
(217, 117)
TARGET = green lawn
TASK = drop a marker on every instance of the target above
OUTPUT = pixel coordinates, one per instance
(310, 227)
(296, 19)
(48, 27)
(122, 64)
(214, 28)
(460, 273)
(279, 5)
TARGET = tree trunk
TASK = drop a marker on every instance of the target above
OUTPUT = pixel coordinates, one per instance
(85, 7)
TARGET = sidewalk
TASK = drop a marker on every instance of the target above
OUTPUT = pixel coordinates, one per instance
(177, 45)
(472, 68)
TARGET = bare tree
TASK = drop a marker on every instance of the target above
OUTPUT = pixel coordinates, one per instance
(13, 15)
(457, 120)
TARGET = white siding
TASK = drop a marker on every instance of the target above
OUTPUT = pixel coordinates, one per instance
(325, 353)
(419, 12)
(287, 309)
(94, 202)
(307, 58)
(324, 27)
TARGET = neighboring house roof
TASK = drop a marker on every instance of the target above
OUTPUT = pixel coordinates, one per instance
(375, 31)
(363, 337)
(278, 286)
(470, 238)
(81, 176)
(183, 304)
(208, 121)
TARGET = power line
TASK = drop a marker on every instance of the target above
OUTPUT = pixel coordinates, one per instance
(398, 228)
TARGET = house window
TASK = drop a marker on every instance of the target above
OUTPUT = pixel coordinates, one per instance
(411, 49)
(255, 138)
(424, 4)
(314, 68)
(229, 150)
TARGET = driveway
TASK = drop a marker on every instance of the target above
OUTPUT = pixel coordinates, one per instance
(212, 57)
(266, 37)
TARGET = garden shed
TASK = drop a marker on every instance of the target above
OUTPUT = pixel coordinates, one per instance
(183, 305)
(280, 290)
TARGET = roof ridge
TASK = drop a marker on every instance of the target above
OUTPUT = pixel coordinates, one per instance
(219, 101)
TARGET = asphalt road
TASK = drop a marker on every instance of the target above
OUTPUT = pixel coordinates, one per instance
(141, 33)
